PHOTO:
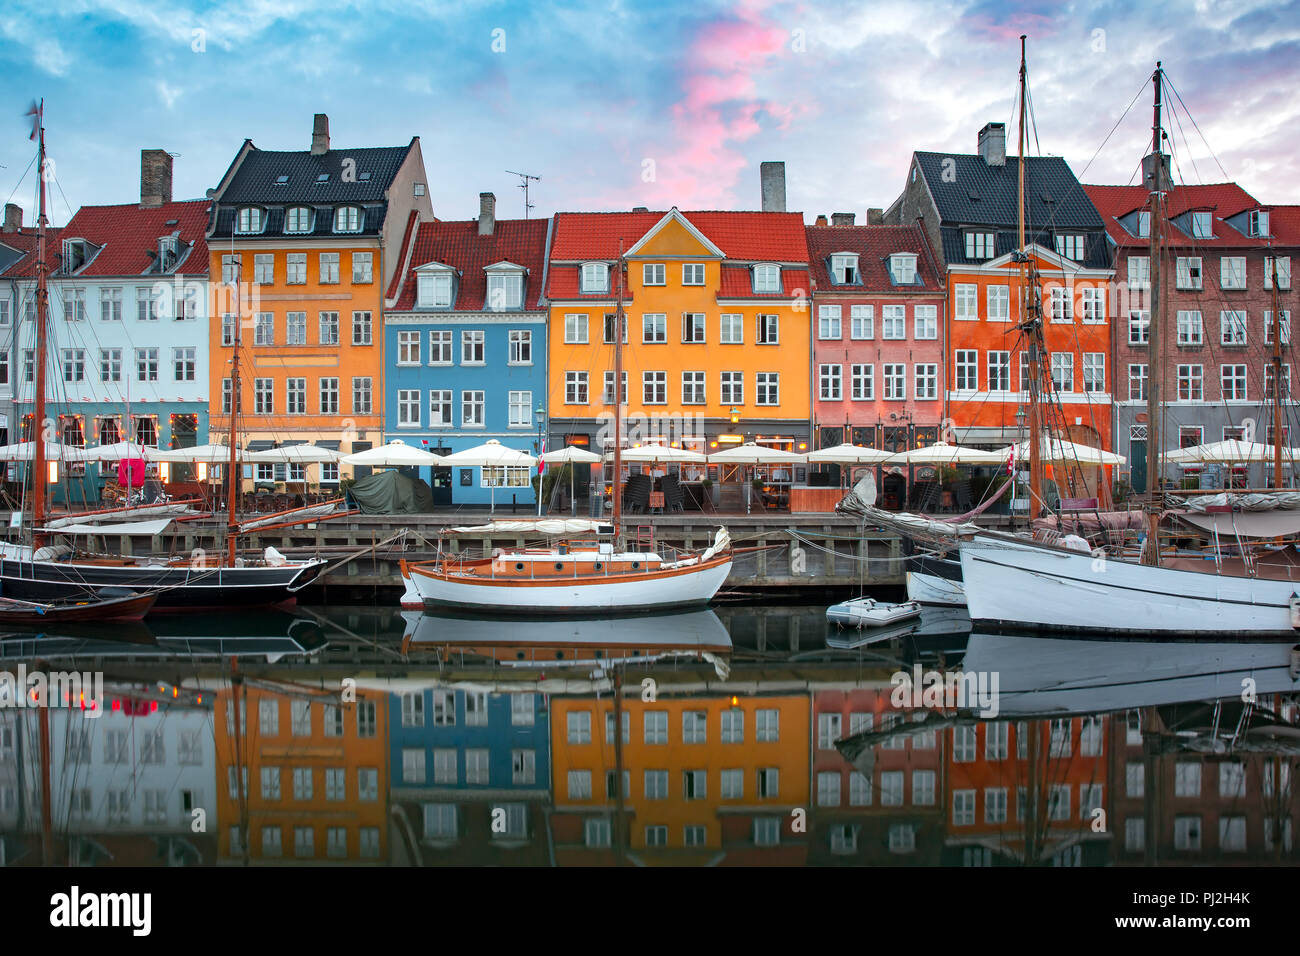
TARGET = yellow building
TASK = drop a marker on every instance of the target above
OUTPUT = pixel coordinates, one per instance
(303, 245)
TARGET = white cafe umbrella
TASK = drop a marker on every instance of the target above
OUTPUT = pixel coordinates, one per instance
(569, 455)
(396, 454)
(295, 454)
(54, 451)
(1061, 452)
(751, 453)
(847, 454)
(118, 451)
(657, 453)
(941, 453)
(1232, 450)
(490, 454)
(208, 454)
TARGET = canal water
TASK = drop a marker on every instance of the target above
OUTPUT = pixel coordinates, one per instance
(748, 735)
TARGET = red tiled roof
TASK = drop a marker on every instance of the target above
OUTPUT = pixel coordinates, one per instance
(458, 244)
(737, 283)
(26, 240)
(874, 245)
(1223, 199)
(128, 233)
(399, 274)
(563, 283)
(742, 236)
(1283, 222)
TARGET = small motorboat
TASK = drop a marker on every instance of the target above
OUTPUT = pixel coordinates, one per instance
(868, 612)
(108, 604)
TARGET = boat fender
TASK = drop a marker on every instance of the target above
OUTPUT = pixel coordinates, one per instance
(1075, 543)
(1295, 610)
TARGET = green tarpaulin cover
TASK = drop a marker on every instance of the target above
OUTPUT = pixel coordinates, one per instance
(391, 493)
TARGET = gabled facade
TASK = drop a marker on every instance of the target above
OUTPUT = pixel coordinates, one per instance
(301, 244)
(880, 311)
(465, 348)
(717, 336)
(1217, 343)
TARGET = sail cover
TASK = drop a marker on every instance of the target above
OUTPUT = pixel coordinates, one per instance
(1246, 524)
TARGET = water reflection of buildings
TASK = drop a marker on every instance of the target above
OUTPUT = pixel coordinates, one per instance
(314, 772)
(134, 787)
(471, 776)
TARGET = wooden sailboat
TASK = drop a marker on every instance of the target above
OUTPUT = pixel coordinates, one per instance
(574, 577)
(57, 573)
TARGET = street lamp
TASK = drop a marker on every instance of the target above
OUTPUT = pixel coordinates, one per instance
(540, 414)
(735, 415)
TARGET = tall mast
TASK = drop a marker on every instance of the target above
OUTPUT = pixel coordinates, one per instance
(42, 314)
(1029, 318)
(1277, 380)
(232, 477)
(1156, 178)
(619, 319)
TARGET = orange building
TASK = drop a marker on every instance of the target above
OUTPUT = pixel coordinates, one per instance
(705, 780)
(304, 244)
(315, 778)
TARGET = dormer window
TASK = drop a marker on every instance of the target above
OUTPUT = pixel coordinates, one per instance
(767, 278)
(347, 219)
(505, 288)
(251, 219)
(297, 219)
(1144, 224)
(434, 290)
(902, 268)
(1202, 228)
(166, 253)
(75, 254)
(595, 277)
(844, 268)
(1070, 247)
(1259, 223)
(979, 245)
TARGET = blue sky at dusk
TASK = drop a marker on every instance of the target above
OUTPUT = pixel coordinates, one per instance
(619, 104)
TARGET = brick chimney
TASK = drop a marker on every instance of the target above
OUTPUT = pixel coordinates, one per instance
(320, 134)
(843, 218)
(821, 221)
(487, 214)
(993, 144)
(772, 176)
(155, 177)
(875, 217)
(13, 217)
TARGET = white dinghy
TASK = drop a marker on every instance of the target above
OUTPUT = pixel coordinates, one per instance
(868, 612)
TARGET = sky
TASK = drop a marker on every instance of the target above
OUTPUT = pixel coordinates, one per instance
(618, 104)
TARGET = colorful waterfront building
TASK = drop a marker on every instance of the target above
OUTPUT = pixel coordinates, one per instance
(465, 348)
(17, 301)
(968, 207)
(1220, 245)
(128, 330)
(880, 304)
(717, 348)
(305, 780)
(471, 776)
(706, 779)
(301, 241)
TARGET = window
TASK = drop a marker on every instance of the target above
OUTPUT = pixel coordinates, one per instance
(74, 365)
(731, 329)
(575, 388)
(408, 348)
(733, 726)
(693, 324)
(361, 394)
(1058, 802)
(654, 328)
(927, 381)
(862, 382)
(1071, 247)
(347, 219)
(521, 347)
(1268, 382)
(1232, 328)
(844, 269)
(1063, 371)
(329, 328)
(893, 321)
(769, 783)
(1232, 779)
(472, 409)
(250, 219)
(595, 277)
(1286, 327)
(1283, 272)
(360, 328)
(505, 291)
(522, 710)
(146, 365)
(302, 783)
(1139, 327)
(828, 730)
(829, 377)
(732, 388)
(767, 278)
(1187, 833)
(296, 328)
(523, 767)
(521, 409)
(967, 368)
(144, 306)
(1188, 272)
(329, 268)
(1191, 383)
(579, 727)
(995, 804)
(1093, 303)
(1062, 305)
(433, 290)
(829, 788)
(575, 328)
(925, 321)
(828, 322)
(895, 382)
(408, 408)
(74, 305)
(999, 364)
(1233, 382)
(861, 321)
(767, 387)
(477, 769)
(607, 394)
(264, 329)
(654, 388)
(1137, 383)
(999, 303)
(298, 219)
(693, 273)
(656, 784)
(1232, 272)
(693, 388)
(440, 407)
(110, 306)
(1139, 272)
(1191, 329)
(966, 302)
(230, 266)
(1094, 371)
(654, 273)
(295, 264)
(1201, 225)
(979, 245)
(362, 268)
(183, 363)
(902, 268)
(769, 329)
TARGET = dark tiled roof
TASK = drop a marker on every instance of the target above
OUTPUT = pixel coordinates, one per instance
(1096, 253)
(458, 244)
(128, 233)
(373, 221)
(874, 245)
(975, 193)
(255, 180)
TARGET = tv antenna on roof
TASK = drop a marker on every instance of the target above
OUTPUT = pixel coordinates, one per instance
(523, 184)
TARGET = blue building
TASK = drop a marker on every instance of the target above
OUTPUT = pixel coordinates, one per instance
(465, 349)
(471, 770)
